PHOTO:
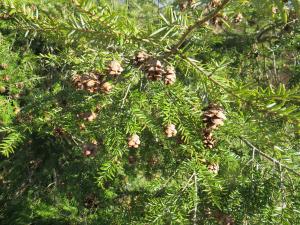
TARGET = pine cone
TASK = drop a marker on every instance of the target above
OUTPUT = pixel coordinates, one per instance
(213, 117)
(140, 58)
(169, 76)
(208, 140)
(154, 70)
(115, 68)
(134, 141)
(214, 168)
(88, 82)
(171, 130)
(106, 87)
(3, 66)
(238, 18)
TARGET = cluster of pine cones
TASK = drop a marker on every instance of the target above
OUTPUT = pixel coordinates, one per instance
(93, 82)
(154, 69)
(213, 118)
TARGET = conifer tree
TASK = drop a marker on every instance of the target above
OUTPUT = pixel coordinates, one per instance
(149, 112)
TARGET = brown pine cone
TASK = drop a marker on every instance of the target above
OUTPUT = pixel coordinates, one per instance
(170, 75)
(208, 140)
(214, 168)
(154, 70)
(88, 82)
(171, 130)
(134, 141)
(213, 117)
(140, 58)
(106, 87)
(115, 68)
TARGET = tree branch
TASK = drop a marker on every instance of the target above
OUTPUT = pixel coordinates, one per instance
(192, 27)
(226, 89)
(269, 157)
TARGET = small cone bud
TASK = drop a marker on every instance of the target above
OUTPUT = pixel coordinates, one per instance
(171, 130)
(214, 168)
(134, 141)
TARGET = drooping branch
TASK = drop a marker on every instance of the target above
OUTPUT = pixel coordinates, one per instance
(194, 26)
(267, 157)
(232, 93)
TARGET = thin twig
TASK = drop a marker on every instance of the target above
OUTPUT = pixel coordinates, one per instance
(277, 162)
(192, 27)
(196, 199)
(125, 96)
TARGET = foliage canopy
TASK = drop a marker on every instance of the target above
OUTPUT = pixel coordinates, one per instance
(64, 135)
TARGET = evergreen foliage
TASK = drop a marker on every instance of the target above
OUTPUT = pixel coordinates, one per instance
(91, 132)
